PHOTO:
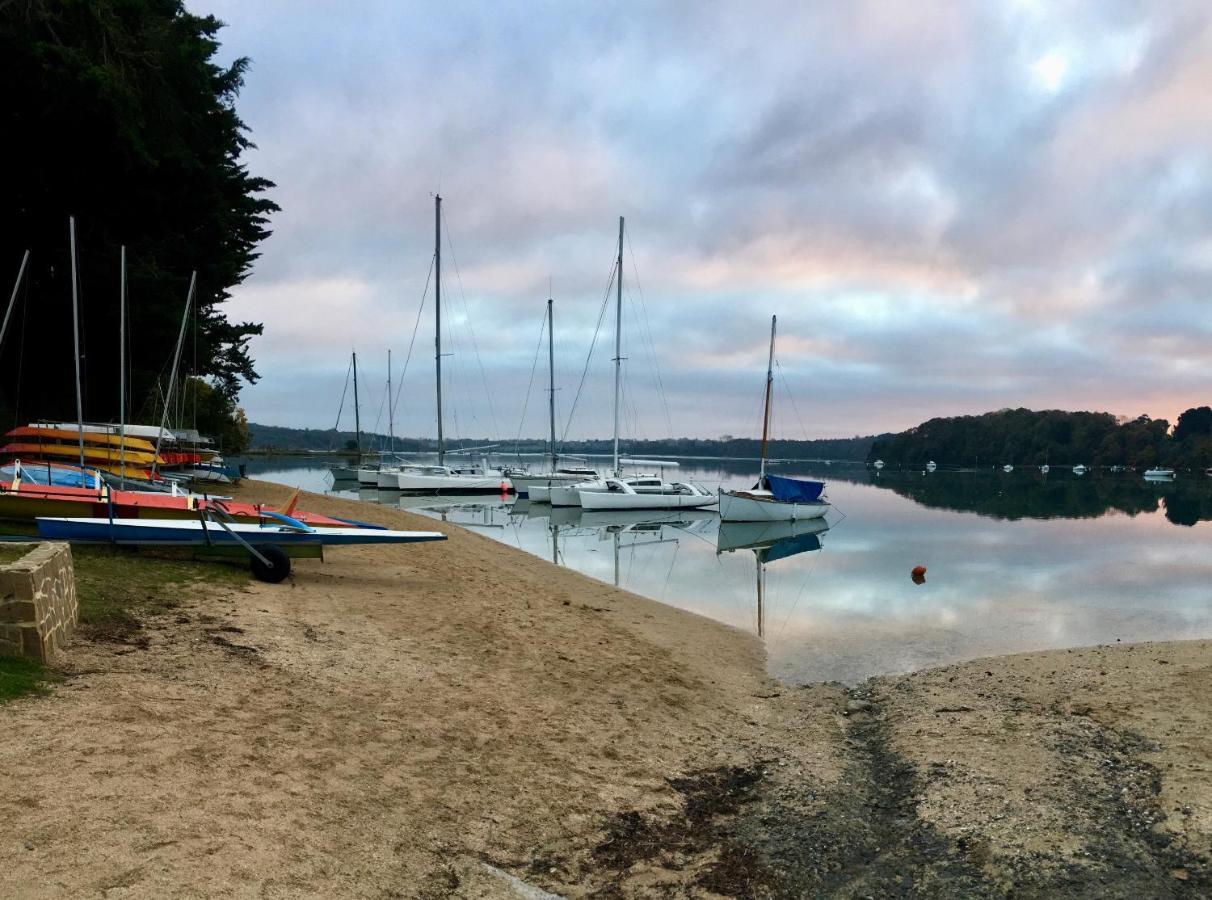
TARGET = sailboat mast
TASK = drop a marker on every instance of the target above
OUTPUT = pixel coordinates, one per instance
(769, 389)
(555, 459)
(618, 349)
(391, 424)
(13, 300)
(437, 306)
(71, 223)
(172, 378)
(357, 412)
(122, 372)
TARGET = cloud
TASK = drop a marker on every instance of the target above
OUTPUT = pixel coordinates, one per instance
(950, 207)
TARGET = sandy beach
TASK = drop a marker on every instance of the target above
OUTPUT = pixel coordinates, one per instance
(462, 719)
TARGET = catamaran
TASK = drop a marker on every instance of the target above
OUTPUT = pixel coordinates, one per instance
(269, 543)
(350, 473)
(420, 478)
(538, 487)
(636, 492)
(774, 497)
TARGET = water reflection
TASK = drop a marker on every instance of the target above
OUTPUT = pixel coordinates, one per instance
(1026, 494)
(770, 542)
(1016, 562)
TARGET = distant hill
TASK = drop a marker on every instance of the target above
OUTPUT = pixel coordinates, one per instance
(1057, 437)
(276, 437)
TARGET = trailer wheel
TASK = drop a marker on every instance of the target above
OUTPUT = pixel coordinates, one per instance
(278, 568)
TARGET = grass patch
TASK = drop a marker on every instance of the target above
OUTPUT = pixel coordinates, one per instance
(116, 585)
(10, 553)
(20, 677)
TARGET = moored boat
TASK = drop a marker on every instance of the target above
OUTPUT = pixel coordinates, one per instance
(619, 494)
(774, 497)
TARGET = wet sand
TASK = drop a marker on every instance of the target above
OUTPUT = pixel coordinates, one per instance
(437, 720)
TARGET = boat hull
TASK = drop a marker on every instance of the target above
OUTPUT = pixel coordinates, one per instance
(197, 533)
(609, 500)
(736, 506)
(368, 477)
(523, 484)
(418, 483)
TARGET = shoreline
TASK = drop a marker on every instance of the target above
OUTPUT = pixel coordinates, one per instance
(417, 721)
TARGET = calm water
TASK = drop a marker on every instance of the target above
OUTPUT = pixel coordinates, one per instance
(1015, 562)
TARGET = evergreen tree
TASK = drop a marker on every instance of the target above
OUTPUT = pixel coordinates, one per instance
(115, 112)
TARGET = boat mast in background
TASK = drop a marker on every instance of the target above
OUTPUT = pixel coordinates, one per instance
(766, 415)
(555, 459)
(122, 372)
(172, 378)
(391, 425)
(13, 300)
(618, 348)
(437, 306)
(71, 227)
(357, 414)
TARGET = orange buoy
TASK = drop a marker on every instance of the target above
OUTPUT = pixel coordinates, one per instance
(918, 574)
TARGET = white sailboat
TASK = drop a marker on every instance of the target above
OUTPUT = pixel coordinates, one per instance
(774, 498)
(537, 488)
(350, 473)
(431, 479)
(639, 492)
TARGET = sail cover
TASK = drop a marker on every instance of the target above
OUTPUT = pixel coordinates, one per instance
(794, 490)
(803, 543)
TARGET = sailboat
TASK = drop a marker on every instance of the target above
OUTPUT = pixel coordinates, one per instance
(774, 497)
(430, 479)
(350, 473)
(770, 542)
(537, 487)
(388, 474)
(639, 491)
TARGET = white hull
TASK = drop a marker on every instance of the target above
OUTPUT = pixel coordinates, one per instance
(568, 496)
(737, 507)
(368, 477)
(344, 473)
(452, 483)
(591, 499)
(386, 480)
(524, 484)
(539, 494)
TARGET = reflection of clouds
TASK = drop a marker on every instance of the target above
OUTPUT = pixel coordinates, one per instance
(850, 610)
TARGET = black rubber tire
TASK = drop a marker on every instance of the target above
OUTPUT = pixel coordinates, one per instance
(278, 568)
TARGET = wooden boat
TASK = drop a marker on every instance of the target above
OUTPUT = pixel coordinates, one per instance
(774, 497)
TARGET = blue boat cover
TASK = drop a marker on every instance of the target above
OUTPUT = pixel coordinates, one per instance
(58, 476)
(803, 543)
(794, 490)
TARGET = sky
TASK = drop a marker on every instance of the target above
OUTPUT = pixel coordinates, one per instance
(951, 207)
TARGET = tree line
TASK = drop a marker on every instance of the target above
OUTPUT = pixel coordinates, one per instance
(274, 437)
(1057, 437)
(117, 114)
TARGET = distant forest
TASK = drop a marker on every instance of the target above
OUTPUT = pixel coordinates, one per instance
(1028, 437)
(273, 437)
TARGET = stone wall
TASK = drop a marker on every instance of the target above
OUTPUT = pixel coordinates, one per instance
(38, 609)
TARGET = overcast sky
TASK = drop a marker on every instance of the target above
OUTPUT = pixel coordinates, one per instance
(951, 207)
